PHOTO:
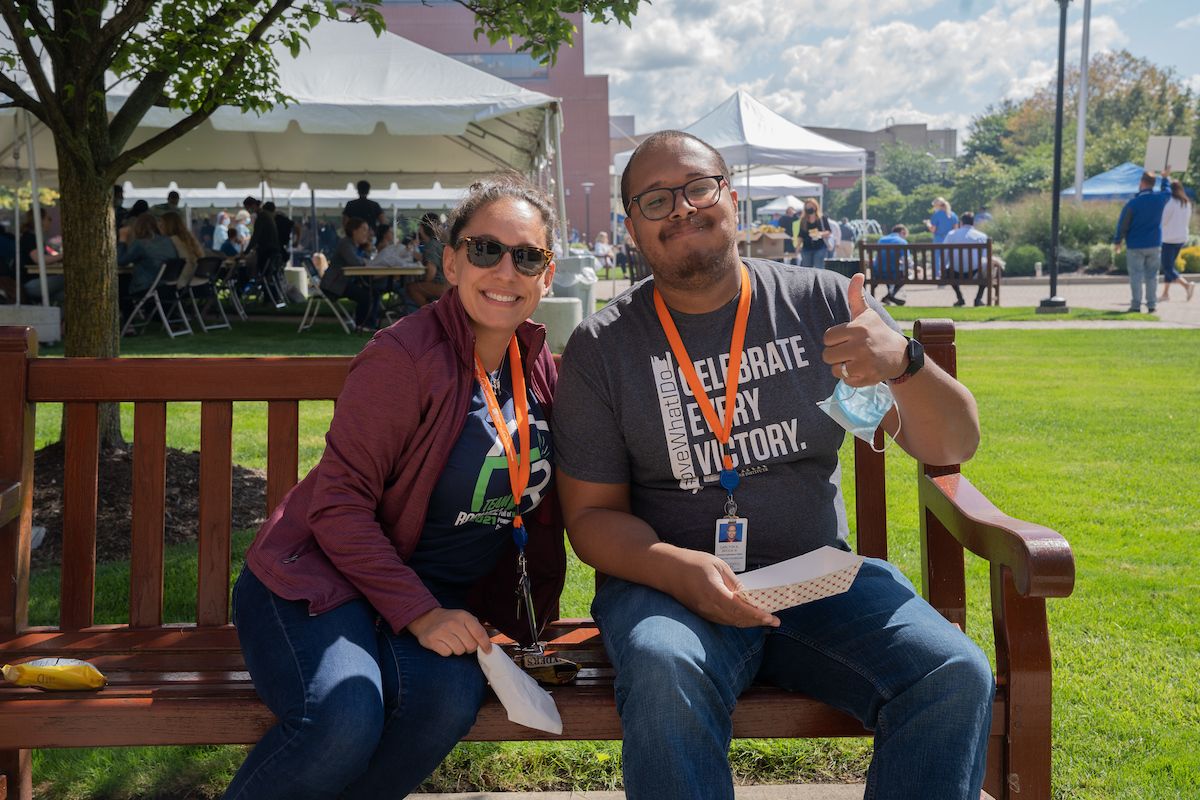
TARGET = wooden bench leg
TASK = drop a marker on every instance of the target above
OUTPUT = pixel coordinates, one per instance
(16, 775)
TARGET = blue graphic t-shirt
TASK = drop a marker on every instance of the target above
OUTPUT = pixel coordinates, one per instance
(470, 514)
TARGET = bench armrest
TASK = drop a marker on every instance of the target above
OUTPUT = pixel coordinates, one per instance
(1040, 559)
(10, 501)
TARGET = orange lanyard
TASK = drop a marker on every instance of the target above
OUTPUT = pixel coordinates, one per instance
(720, 429)
(518, 469)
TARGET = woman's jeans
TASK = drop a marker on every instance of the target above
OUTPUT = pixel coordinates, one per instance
(813, 258)
(363, 713)
(1170, 253)
(878, 652)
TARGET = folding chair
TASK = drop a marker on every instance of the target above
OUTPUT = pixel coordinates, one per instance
(150, 303)
(315, 269)
(225, 280)
(202, 282)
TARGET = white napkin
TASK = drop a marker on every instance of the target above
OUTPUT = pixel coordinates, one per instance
(526, 703)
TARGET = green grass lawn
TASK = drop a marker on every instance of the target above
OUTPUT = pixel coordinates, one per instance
(1091, 432)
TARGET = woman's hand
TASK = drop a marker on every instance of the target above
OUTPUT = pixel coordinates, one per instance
(450, 632)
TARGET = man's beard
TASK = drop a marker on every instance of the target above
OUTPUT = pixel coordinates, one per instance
(695, 269)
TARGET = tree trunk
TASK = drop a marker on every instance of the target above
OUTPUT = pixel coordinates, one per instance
(90, 309)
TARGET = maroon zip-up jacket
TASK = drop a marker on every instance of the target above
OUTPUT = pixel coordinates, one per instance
(345, 531)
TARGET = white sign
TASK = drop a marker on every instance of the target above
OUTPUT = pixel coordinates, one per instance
(1168, 151)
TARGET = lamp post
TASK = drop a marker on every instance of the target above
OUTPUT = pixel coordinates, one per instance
(587, 209)
(1055, 304)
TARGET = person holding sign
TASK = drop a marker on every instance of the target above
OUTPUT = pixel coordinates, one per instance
(690, 402)
(363, 598)
(1140, 227)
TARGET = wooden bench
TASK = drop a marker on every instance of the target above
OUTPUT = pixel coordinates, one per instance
(186, 683)
(932, 264)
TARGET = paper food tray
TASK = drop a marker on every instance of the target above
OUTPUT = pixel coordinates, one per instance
(822, 573)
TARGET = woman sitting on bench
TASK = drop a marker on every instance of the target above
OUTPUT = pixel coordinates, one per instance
(362, 601)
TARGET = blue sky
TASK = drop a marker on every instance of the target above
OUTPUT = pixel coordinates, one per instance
(866, 63)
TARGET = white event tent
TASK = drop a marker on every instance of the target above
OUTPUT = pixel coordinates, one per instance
(764, 187)
(748, 134)
(379, 108)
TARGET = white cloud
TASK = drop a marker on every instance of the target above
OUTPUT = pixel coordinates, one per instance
(1190, 22)
(856, 64)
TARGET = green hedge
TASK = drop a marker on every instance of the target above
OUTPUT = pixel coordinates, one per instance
(1020, 260)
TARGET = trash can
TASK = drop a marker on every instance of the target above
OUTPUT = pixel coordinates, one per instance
(842, 266)
(575, 276)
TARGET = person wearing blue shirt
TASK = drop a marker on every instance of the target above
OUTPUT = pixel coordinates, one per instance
(940, 223)
(891, 265)
(965, 233)
(1140, 228)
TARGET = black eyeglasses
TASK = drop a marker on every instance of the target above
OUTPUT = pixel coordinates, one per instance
(659, 203)
(528, 260)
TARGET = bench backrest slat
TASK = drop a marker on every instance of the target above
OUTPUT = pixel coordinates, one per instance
(81, 452)
(216, 512)
(283, 449)
(149, 491)
(17, 346)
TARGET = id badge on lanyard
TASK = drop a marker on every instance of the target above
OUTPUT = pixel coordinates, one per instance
(731, 530)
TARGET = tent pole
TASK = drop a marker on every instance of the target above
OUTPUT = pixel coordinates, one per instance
(864, 192)
(36, 208)
(747, 223)
(559, 190)
(16, 154)
(312, 199)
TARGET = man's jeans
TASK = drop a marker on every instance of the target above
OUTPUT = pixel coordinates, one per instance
(363, 713)
(878, 652)
(1143, 264)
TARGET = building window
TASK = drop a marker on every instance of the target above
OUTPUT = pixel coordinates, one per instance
(510, 66)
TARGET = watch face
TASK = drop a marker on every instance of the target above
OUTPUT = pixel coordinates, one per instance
(916, 356)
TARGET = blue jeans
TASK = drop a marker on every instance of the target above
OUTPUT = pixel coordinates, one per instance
(878, 652)
(363, 713)
(813, 258)
(1170, 254)
(1143, 264)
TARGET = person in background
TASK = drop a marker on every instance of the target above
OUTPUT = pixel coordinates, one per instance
(966, 233)
(814, 231)
(1140, 227)
(364, 595)
(232, 246)
(27, 245)
(187, 246)
(845, 248)
(388, 252)
(119, 212)
(242, 220)
(1176, 217)
(604, 252)
(352, 252)
(220, 231)
(143, 245)
(363, 207)
(263, 246)
(138, 208)
(434, 284)
(940, 223)
(172, 204)
(787, 224)
(893, 264)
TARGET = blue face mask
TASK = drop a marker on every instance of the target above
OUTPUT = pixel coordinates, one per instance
(861, 410)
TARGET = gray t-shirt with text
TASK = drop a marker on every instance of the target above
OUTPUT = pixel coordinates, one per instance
(623, 413)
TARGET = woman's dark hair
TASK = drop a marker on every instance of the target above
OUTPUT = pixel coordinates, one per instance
(381, 231)
(1179, 194)
(492, 188)
(138, 207)
(353, 224)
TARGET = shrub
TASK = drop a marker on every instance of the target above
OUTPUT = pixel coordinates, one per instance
(1020, 260)
(1069, 260)
(1189, 259)
(1028, 222)
(1100, 258)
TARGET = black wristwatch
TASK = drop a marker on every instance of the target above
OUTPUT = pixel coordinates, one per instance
(916, 360)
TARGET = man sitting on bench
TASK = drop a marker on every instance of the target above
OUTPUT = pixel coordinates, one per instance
(966, 268)
(646, 496)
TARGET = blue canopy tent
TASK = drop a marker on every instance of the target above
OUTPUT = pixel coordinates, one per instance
(1119, 183)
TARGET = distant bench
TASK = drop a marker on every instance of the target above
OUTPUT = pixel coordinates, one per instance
(932, 265)
(186, 683)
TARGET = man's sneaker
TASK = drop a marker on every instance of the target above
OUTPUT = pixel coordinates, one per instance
(898, 301)
(960, 302)
(978, 302)
(887, 300)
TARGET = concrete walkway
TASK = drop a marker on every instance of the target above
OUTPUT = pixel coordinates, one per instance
(810, 791)
(1104, 293)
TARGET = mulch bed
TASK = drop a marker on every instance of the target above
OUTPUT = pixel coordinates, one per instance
(114, 508)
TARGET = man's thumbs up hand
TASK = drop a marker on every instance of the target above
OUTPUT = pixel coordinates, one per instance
(863, 351)
(855, 296)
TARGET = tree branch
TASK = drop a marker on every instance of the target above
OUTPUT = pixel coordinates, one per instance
(52, 112)
(124, 161)
(112, 32)
(140, 100)
(20, 98)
